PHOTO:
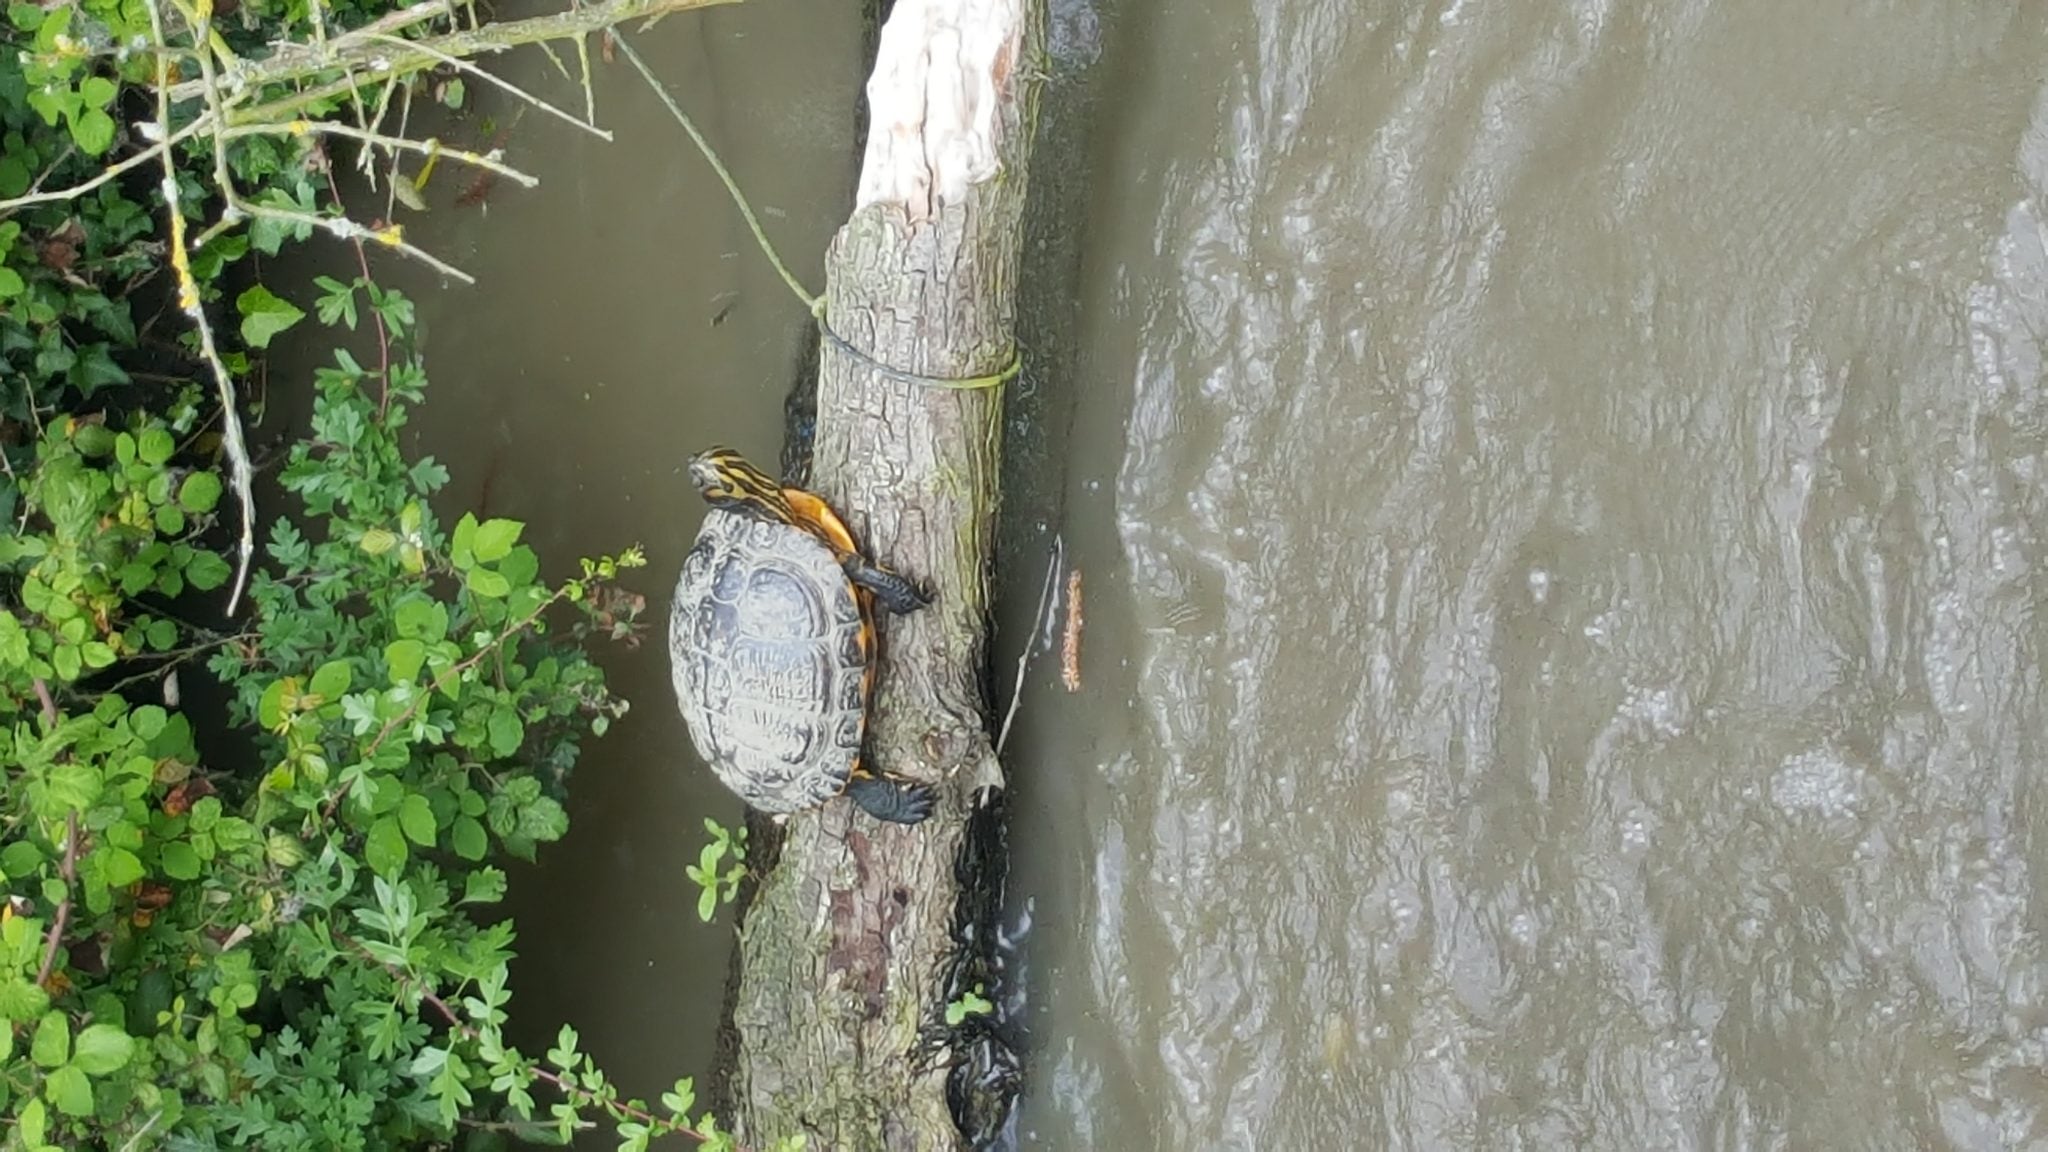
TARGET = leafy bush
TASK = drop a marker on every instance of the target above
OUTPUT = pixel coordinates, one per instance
(256, 928)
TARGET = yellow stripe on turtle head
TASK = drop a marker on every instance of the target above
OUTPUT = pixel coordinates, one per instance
(726, 480)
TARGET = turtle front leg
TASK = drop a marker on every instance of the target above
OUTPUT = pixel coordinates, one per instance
(887, 796)
(896, 592)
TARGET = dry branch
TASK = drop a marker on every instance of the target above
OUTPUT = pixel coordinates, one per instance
(371, 50)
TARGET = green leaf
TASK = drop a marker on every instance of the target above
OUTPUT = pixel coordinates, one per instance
(405, 658)
(483, 886)
(102, 1049)
(680, 1101)
(21, 1001)
(180, 861)
(97, 653)
(96, 91)
(199, 493)
(460, 547)
(149, 719)
(507, 733)
(121, 867)
(154, 446)
(378, 541)
(470, 841)
(270, 710)
(162, 634)
(969, 1004)
(94, 132)
(337, 301)
(11, 283)
(33, 1124)
(205, 814)
(207, 571)
(495, 538)
(264, 315)
(72, 786)
(332, 680)
(485, 582)
(170, 520)
(20, 860)
(416, 817)
(70, 1091)
(520, 566)
(52, 1045)
(424, 620)
(385, 847)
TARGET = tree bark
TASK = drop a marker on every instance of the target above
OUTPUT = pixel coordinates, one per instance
(849, 947)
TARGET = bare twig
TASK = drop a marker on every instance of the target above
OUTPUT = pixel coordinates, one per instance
(815, 304)
(135, 1141)
(390, 236)
(423, 147)
(367, 48)
(68, 869)
(241, 476)
(74, 191)
(48, 702)
(50, 169)
(1038, 620)
(507, 85)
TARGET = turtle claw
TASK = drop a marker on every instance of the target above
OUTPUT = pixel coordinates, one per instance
(896, 592)
(896, 801)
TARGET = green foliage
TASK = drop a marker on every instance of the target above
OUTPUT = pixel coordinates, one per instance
(273, 925)
(283, 952)
(968, 1004)
(718, 885)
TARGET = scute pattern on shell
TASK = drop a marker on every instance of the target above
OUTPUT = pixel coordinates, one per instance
(767, 653)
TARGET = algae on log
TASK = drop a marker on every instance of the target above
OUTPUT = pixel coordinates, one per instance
(845, 948)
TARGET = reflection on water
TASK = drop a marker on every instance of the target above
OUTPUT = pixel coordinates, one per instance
(1560, 486)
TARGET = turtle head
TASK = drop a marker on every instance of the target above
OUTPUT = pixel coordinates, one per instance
(725, 480)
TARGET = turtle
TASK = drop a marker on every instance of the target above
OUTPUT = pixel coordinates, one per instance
(772, 646)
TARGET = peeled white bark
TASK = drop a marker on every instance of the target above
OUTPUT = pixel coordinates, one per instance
(944, 75)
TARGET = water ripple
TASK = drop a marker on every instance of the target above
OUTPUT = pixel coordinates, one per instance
(1578, 515)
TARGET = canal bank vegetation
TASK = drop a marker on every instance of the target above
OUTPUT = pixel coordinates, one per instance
(260, 761)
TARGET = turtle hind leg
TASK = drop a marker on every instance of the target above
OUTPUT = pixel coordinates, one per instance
(896, 593)
(889, 797)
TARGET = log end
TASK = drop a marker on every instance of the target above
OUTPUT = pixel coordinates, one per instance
(939, 100)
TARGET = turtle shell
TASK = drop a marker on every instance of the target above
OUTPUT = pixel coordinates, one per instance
(770, 647)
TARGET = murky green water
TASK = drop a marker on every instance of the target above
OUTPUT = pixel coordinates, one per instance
(1558, 488)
